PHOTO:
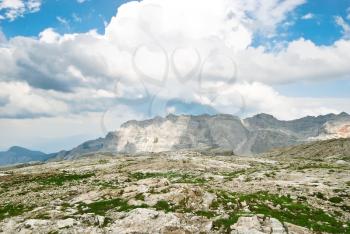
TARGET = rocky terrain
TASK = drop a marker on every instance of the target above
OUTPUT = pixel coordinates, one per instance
(256, 134)
(291, 190)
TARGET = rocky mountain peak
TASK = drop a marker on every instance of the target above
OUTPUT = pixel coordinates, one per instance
(252, 135)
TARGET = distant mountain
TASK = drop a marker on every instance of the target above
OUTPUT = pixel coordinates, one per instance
(256, 134)
(18, 154)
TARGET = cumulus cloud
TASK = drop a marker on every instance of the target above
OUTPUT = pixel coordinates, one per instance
(261, 98)
(2, 37)
(23, 101)
(186, 49)
(11, 9)
(267, 15)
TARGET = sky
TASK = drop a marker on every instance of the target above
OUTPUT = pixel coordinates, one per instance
(72, 70)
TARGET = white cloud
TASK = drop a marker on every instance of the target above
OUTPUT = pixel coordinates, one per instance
(25, 101)
(3, 38)
(81, 1)
(17, 8)
(300, 60)
(267, 15)
(49, 36)
(261, 98)
(308, 16)
(149, 41)
(344, 25)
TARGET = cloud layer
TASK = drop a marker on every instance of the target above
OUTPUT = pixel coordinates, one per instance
(197, 51)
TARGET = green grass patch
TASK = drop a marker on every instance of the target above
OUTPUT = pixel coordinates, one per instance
(11, 210)
(174, 177)
(283, 208)
(140, 197)
(206, 213)
(60, 179)
(164, 206)
(101, 207)
(320, 195)
(106, 184)
(119, 205)
(335, 199)
(224, 224)
(43, 216)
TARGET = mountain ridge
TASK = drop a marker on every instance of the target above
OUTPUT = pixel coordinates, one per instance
(252, 135)
(224, 132)
(18, 154)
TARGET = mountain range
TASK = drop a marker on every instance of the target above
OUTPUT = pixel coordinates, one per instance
(253, 135)
(18, 154)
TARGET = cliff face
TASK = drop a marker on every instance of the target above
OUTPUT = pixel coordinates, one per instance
(256, 134)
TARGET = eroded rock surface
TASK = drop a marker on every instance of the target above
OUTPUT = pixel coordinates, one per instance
(179, 192)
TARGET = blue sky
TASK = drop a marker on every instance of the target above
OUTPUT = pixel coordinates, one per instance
(320, 28)
(81, 17)
(60, 81)
(92, 14)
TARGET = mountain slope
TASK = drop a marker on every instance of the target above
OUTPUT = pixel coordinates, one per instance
(18, 154)
(338, 149)
(256, 134)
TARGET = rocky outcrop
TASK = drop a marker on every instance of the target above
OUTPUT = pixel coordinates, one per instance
(258, 225)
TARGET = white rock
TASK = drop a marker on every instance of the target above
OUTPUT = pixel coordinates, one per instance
(144, 221)
(257, 225)
(65, 223)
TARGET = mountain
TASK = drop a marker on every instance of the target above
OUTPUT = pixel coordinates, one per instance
(256, 134)
(330, 150)
(18, 154)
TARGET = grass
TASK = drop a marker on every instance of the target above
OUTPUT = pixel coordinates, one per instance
(172, 176)
(101, 207)
(164, 205)
(206, 213)
(60, 179)
(11, 210)
(106, 184)
(140, 197)
(282, 208)
(335, 199)
(320, 195)
(233, 174)
(225, 223)
(42, 216)
(43, 179)
(118, 204)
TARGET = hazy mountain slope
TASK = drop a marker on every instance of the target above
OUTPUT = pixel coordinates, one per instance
(256, 134)
(334, 148)
(21, 155)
